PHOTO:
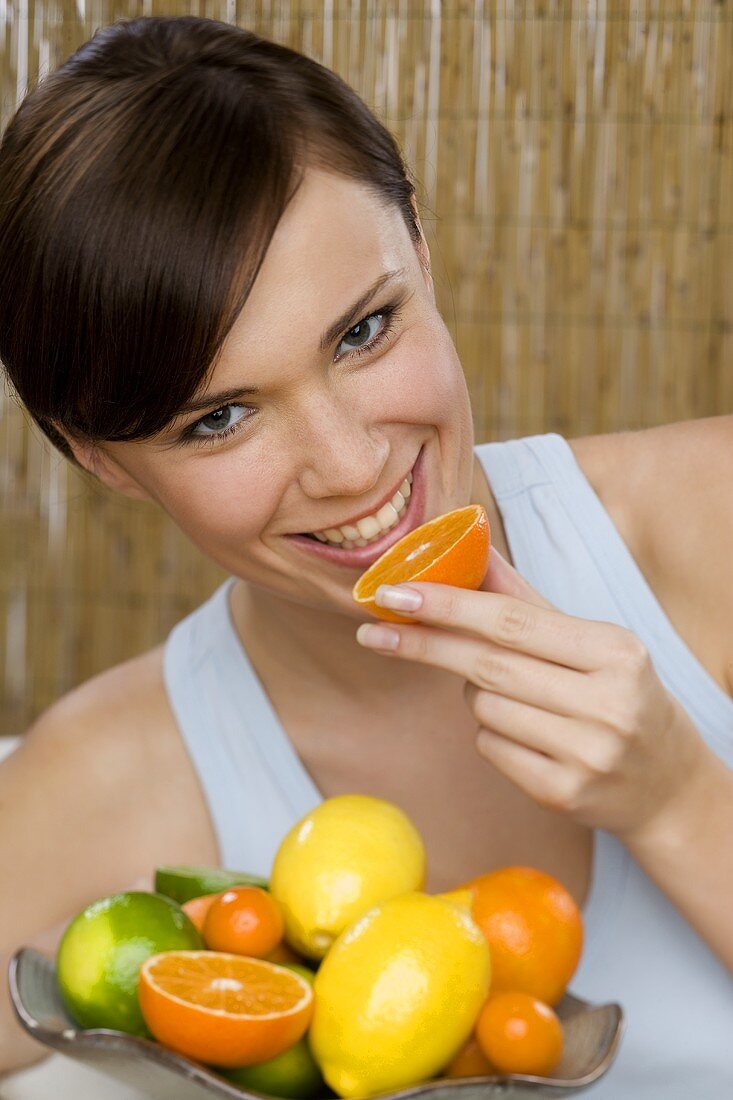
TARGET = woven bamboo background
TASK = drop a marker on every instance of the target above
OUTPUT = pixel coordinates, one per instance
(576, 169)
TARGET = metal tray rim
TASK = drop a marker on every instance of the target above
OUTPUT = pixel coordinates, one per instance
(137, 1047)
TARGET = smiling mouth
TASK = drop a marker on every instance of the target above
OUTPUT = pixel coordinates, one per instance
(371, 527)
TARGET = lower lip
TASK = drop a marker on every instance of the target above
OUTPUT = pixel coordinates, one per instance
(361, 557)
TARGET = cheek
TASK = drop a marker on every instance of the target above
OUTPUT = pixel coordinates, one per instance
(215, 499)
(426, 383)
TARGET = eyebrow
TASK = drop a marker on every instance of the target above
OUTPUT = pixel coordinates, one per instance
(354, 312)
(342, 323)
(216, 399)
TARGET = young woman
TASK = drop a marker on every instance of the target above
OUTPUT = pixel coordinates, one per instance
(215, 295)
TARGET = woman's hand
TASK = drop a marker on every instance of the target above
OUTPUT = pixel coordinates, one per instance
(571, 710)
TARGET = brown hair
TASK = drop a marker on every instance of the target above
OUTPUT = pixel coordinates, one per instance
(140, 185)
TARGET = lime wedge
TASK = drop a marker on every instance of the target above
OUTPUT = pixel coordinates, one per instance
(183, 883)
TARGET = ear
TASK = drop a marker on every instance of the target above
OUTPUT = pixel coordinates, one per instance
(106, 469)
(422, 248)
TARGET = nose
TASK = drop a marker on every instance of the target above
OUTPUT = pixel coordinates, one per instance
(340, 455)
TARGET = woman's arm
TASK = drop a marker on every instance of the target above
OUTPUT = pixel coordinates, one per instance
(687, 851)
(96, 796)
(63, 842)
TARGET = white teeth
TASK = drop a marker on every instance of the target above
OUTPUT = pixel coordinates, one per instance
(368, 527)
(387, 515)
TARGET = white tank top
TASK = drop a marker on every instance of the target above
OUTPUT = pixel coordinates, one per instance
(639, 951)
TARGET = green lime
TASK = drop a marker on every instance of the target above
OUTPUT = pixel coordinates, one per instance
(294, 1073)
(184, 883)
(103, 948)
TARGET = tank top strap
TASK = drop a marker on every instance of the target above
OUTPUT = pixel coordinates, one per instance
(563, 540)
(253, 782)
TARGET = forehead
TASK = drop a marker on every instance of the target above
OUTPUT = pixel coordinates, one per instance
(334, 239)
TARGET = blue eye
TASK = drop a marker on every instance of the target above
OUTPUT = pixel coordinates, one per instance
(220, 420)
(228, 419)
(365, 333)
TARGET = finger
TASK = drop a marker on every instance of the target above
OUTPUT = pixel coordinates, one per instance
(537, 729)
(541, 632)
(541, 777)
(522, 724)
(488, 667)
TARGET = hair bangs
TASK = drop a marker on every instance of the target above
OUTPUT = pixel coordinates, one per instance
(151, 288)
(140, 186)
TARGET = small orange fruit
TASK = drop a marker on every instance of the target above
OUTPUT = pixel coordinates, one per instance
(223, 1009)
(197, 908)
(450, 549)
(534, 929)
(520, 1034)
(470, 1062)
(245, 920)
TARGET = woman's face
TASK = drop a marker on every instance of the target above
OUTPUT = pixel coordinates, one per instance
(329, 432)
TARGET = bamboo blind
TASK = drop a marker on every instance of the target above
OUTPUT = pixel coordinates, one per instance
(575, 161)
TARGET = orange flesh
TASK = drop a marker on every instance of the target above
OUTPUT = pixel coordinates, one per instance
(450, 549)
(239, 986)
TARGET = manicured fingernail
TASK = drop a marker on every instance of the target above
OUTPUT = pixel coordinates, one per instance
(377, 637)
(398, 597)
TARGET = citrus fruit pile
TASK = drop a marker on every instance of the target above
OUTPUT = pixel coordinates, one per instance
(338, 973)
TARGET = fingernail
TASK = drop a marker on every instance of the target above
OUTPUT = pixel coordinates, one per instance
(397, 597)
(377, 637)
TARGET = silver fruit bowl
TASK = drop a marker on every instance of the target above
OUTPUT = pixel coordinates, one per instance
(592, 1035)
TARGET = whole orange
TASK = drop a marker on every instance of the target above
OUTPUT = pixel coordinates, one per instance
(470, 1061)
(244, 920)
(534, 929)
(520, 1034)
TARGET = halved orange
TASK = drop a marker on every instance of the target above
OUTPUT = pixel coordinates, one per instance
(222, 1009)
(450, 549)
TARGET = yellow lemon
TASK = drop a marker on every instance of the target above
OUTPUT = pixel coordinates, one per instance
(343, 857)
(398, 994)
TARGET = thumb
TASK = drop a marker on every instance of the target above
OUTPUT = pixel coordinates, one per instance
(503, 578)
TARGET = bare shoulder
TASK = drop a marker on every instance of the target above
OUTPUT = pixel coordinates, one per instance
(129, 697)
(674, 472)
(120, 716)
(668, 491)
(122, 724)
(102, 788)
(688, 445)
